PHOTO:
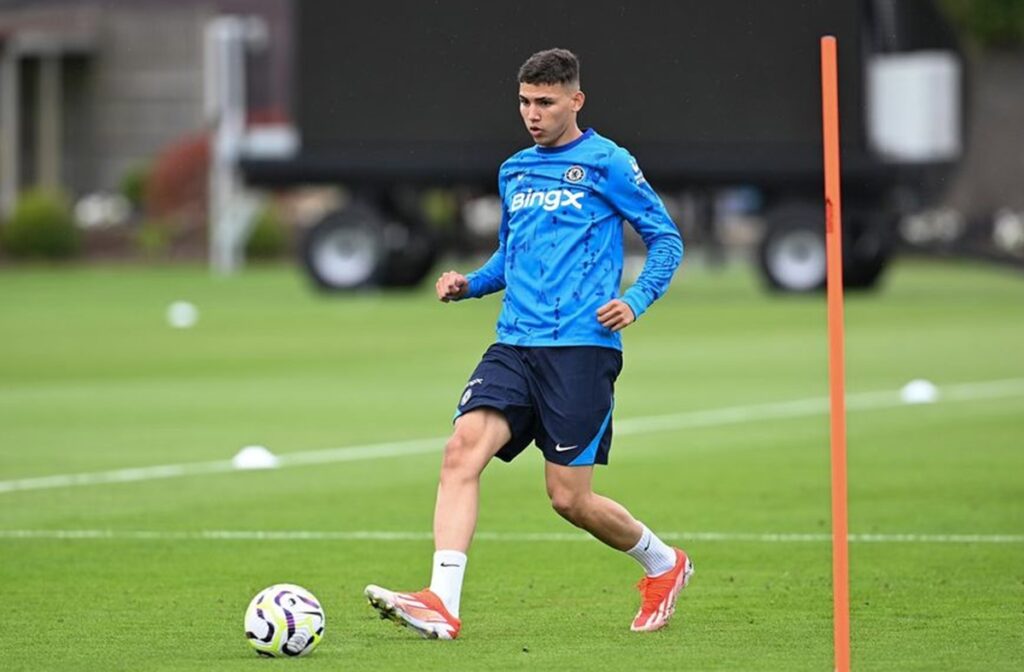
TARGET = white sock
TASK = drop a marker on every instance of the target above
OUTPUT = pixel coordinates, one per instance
(655, 555)
(446, 579)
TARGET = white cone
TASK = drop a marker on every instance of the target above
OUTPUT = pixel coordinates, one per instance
(919, 392)
(255, 457)
(182, 315)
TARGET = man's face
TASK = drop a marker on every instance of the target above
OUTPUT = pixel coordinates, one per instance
(549, 111)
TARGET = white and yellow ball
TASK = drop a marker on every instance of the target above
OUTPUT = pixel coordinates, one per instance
(284, 621)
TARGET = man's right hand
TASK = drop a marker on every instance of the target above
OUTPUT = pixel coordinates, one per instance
(451, 285)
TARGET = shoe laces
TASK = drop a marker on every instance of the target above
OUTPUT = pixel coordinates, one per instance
(654, 591)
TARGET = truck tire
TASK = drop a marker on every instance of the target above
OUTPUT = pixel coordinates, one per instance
(358, 247)
(345, 249)
(410, 253)
(867, 247)
(791, 256)
(792, 253)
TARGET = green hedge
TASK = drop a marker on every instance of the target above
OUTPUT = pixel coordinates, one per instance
(41, 227)
(268, 238)
(133, 185)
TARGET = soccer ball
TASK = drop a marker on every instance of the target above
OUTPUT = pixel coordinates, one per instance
(284, 620)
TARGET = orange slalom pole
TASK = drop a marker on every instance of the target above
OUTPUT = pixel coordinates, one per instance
(837, 391)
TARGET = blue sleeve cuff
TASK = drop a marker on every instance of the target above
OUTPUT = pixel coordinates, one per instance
(630, 299)
(469, 289)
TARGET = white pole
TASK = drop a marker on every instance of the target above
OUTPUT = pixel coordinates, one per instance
(231, 206)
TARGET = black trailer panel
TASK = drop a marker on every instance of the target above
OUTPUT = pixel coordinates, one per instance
(721, 91)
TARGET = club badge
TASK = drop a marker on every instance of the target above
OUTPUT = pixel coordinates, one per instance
(575, 174)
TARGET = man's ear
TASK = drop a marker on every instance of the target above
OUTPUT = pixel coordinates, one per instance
(578, 98)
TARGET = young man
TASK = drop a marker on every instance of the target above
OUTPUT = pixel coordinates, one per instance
(550, 377)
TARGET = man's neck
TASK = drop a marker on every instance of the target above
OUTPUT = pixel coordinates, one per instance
(571, 134)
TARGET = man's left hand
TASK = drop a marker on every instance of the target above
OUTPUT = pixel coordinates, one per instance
(615, 315)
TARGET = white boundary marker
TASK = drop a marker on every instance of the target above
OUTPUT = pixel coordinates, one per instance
(993, 389)
(368, 535)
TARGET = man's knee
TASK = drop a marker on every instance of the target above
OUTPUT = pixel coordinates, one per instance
(466, 452)
(569, 504)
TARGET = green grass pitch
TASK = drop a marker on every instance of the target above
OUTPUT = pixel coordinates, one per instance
(92, 379)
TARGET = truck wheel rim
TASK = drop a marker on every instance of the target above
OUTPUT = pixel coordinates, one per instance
(797, 260)
(346, 257)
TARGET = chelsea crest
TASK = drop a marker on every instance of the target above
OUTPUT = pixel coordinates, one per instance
(575, 174)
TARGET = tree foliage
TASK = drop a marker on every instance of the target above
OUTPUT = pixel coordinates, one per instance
(990, 23)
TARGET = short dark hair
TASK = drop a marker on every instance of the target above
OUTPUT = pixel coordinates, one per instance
(551, 66)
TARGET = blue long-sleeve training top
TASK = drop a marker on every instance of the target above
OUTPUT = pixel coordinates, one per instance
(560, 249)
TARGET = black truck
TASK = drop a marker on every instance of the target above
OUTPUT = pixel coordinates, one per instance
(394, 97)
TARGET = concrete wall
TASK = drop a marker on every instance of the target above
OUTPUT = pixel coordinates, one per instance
(138, 84)
(142, 88)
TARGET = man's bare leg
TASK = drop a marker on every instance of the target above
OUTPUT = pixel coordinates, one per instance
(574, 499)
(668, 569)
(478, 435)
(434, 613)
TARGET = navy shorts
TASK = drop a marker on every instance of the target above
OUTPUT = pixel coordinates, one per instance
(561, 398)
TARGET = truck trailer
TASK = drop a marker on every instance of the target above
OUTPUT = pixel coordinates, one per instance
(395, 97)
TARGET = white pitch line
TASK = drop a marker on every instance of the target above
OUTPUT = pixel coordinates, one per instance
(994, 389)
(369, 535)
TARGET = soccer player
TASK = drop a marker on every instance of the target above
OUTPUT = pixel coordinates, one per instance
(550, 376)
